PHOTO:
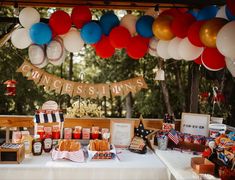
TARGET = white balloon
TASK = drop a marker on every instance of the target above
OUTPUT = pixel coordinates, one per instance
(20, 38)
(58, 62)
(225, 40)
(152, 12)
(129, 21)
(188, 51)
(173, 48)
(221, 13)
(54, 49)
(73, 41)
(153, 47)
(230, 63)
(44, 63)
(162, 49)
(29, 16)
(36, 54)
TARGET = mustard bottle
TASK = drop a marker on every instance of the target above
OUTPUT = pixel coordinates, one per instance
(27, 141)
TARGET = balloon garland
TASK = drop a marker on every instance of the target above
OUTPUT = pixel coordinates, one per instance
(205, 36)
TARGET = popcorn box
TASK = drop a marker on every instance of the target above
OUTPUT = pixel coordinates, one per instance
(67, 133)
(86, 133)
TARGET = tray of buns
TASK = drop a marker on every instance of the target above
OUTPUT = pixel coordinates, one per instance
(70, 150)
(101, 150)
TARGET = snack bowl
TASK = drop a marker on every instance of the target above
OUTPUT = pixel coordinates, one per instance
(101, 155)
(75, 156)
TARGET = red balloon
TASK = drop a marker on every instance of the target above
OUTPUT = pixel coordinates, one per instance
(212, 59)
(137, 47)
(181, 24)
(60, 22)
(198, 60)
(119, 37)
(103, 48)
(80, 16)
(231, 6)
(171, 12)
(193, 33)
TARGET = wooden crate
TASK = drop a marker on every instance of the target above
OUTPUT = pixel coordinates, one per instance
(202, 165)
(187, 146)
(12, 156)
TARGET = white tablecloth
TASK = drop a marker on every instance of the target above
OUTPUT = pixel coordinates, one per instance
(178, 163)
(131, 166)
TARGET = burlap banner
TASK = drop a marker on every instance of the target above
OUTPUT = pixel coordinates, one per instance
(85, 90)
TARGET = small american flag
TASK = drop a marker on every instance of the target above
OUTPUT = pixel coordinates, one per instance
(173, 136)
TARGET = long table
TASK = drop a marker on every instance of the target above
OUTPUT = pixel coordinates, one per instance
(129, 166)
(178, 164)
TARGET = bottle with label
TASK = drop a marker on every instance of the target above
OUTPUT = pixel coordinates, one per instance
(47, 143)
(27, 141)
(37, 145)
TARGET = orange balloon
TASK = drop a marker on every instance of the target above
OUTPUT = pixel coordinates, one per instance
(162, 28)
(209, 31)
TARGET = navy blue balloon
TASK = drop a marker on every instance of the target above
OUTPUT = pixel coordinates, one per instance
(91, 33)
(229, 14)
(108, 21)
(144, 26)
(193, 12)
(40, 33)
(207, 13)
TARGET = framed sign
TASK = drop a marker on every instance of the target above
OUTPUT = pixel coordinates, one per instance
(195, 124)
(122, 132)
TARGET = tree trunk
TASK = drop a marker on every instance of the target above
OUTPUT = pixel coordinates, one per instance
(129, 105)
(71, 67)
(194, 88)
(166, 97)
(181, 89)
(165, 91)
(70, 75)
(105, 106)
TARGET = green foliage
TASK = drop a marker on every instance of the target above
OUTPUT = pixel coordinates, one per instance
(87, 67)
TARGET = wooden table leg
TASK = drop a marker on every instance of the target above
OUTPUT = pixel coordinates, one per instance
(7, 135)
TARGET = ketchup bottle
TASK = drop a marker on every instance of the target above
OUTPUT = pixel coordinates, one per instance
(37, 145)
(47, 143)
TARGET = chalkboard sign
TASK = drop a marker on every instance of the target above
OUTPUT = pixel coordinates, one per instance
(195, 124)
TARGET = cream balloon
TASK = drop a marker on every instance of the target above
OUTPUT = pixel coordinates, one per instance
(173, 48)
(230, 63)
(73, 41)
(153, 47)
(225, 40)
(59, 61)
(129, 21)
(188, 51)
(162, 49)
(36, 54)
(54, 49)
(222, 12)
(20, 38)
(29, 16)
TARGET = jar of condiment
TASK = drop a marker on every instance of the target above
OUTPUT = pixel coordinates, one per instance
(41, 134)
(47, 143)
(37, 145)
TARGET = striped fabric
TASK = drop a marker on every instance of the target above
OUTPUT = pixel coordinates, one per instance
(45, 116)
